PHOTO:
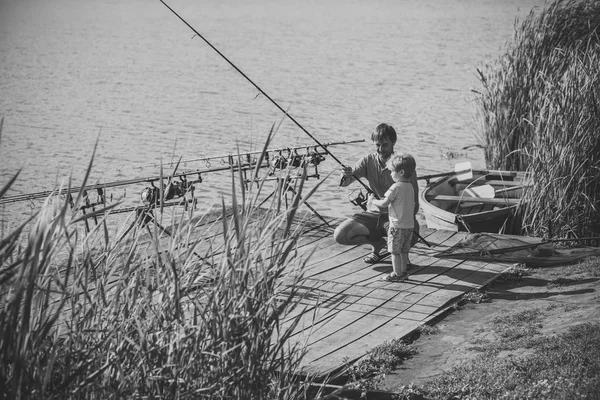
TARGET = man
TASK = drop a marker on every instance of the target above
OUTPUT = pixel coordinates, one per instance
(371, 227)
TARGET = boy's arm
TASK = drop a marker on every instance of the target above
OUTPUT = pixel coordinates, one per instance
(379, 203)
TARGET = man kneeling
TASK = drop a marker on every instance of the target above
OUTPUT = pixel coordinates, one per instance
(370, 227)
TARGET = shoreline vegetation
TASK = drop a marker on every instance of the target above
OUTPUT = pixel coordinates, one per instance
(539, 107)
(140, 314)
(133, 314)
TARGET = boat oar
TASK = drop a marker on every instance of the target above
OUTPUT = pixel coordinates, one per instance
(482, 191)
(463, 171)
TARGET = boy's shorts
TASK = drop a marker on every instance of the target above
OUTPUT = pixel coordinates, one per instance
(399, 240)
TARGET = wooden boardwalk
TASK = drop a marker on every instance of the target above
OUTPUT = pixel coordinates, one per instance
(349, 308)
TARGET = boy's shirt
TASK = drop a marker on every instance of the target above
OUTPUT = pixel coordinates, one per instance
(380, 178)
(402, 204)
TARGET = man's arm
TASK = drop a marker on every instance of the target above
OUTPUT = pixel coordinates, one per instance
(347, 176)
(350, 174)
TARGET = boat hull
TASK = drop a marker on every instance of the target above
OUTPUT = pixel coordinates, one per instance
(446, 206)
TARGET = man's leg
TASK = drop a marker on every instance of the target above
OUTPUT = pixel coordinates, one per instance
(351, 232)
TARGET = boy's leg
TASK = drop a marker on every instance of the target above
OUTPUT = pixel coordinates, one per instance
(413, 240)
(397, 264)
(403, 260)
(395, 247)
(406, 237)
(392, 247)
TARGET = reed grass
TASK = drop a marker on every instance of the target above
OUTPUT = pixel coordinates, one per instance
(143, 314)
(539, 107)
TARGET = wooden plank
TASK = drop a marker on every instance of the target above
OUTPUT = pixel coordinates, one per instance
(369, 334)
(349, 321)
(348, 309)
(323, 361)
(334, 258)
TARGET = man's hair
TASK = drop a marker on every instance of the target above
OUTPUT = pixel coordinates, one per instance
(384, 131)
(402, 161)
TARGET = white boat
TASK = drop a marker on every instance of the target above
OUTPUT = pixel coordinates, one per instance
(483, 201)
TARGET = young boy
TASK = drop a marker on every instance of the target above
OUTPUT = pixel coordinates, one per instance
(400, 200)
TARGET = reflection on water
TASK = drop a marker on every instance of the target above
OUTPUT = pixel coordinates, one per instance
(131, 77)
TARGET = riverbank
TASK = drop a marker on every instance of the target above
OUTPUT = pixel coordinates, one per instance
(505, 339)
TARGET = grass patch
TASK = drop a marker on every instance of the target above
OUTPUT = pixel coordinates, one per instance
(512, 331)
(515, 327)
(566, 367)
(514, 273)
(589, 266)
(368, 372)
(475, 297)
(427, 329)
(561, 282)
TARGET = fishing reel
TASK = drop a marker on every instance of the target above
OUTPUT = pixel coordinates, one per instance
(316, 158)
(279, 162)
(358, 199)
(150, 195)
(172, 190)
(296, 160)
(175, 190)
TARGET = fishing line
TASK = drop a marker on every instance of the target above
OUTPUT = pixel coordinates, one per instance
(264, 94)
(278, 106)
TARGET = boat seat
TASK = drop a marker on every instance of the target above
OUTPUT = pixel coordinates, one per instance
(487, 182)
(465, 199)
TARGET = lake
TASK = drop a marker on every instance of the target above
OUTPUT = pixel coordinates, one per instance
(129, 75)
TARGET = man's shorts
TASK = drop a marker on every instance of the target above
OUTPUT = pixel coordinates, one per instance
(399, 240)
(378, 224)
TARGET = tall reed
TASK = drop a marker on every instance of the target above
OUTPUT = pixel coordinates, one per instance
(539, 107)
(143, 314)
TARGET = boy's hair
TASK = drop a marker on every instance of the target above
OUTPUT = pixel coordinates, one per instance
(402, 161)
(384, 131)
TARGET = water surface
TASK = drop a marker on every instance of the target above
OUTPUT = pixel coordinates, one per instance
(131, 76)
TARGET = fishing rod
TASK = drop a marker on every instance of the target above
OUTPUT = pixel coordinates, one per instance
(100, 186)
(264, 94)
(275, 104)
(288, 149)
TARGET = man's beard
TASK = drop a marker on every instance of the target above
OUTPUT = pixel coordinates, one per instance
(383, 158)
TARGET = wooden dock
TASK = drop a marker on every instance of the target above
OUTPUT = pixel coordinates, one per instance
(347, 307)
(350, 309)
